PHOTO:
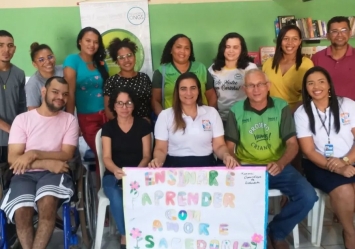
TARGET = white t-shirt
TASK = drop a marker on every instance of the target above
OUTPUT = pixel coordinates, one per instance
(342, 141)
(228, 84)
(198, 135)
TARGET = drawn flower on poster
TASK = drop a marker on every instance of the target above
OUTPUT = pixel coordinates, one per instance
(136, 235)
(134, 191)
(256, 239)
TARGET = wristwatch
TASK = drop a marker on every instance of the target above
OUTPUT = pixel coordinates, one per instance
(346, 160)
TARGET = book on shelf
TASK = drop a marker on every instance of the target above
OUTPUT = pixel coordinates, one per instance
(285, 20)
(256, 57)
(266, 53)
(352, 25)
(311, 28)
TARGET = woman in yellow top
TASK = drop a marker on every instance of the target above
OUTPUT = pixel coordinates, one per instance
(286, 70)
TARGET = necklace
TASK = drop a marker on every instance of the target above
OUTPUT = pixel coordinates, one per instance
(7, 78)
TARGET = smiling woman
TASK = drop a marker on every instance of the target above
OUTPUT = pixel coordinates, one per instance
(44, 61)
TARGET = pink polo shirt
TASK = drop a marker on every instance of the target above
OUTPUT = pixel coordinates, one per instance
(342, 71)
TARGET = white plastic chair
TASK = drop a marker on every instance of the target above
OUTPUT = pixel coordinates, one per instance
(316, 218)
(277, 193)
(103, 200)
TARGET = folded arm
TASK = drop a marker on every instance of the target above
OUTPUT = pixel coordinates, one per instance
(20, 161)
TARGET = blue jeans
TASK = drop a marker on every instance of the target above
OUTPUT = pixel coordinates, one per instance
(115, 195)
(301, 195)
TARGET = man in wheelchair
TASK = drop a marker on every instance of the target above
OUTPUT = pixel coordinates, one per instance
(40, 144)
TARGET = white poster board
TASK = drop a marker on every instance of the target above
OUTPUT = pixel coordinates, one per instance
(195, 208)
(122, 19)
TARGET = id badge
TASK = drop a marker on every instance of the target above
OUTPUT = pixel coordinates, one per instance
(328, 150)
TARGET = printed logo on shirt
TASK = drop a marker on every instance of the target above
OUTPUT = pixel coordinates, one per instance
(206, 125)
(238, 76)
(345, 118)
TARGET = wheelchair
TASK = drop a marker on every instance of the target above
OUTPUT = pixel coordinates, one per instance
(79, 212)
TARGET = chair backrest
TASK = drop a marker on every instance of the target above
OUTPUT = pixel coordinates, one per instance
(98, 144)
(152, 142)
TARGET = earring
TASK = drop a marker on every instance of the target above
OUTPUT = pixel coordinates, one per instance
(329, 93)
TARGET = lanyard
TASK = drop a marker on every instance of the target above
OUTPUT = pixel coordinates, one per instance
(8, 76)
(323, 123)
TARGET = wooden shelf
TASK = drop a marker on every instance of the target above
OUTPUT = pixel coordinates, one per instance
(315, 39)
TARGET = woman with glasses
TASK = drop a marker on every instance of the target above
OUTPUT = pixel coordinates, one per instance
(188, 133)
(123, 53)
(286, 70)
(325, 125)
(86, 73)
(228, 69)
(44, 61)
(126, 141)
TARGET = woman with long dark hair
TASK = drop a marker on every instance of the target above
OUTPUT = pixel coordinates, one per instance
(286, 70)
(228, 69)
(177, 58)
(188, 133)
(325, 125)
(86, 73)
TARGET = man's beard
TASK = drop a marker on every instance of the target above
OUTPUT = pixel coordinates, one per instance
(51, 106)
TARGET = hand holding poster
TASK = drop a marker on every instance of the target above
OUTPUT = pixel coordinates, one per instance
(195, 208)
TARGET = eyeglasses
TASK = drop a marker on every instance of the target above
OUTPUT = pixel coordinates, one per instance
(252, 86)
(42, 59)
(122, 57)
(121, 104)
(336, 32)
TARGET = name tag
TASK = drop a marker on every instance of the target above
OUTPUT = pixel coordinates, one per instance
(328, 150)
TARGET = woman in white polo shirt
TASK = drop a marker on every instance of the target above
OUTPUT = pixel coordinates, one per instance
(325, 126)
(188, 133)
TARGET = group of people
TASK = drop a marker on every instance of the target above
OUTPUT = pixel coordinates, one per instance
(231, 114)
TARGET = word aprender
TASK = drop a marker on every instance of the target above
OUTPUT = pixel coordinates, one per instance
(183, 177)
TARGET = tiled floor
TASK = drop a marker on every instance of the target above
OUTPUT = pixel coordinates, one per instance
(331, 238)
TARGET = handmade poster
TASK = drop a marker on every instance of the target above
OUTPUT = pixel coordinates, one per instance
(121, 19)
(195, 208)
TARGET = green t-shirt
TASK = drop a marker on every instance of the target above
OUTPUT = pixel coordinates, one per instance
(171, 75)
(260, 136)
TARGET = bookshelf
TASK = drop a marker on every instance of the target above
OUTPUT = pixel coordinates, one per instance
(313, 31)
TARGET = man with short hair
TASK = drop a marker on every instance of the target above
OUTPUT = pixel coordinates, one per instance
(41, 142)
(261, 131)
(339, 58)
(12, 90)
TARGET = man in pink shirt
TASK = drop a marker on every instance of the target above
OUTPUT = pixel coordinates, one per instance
(41, 142)
(339, 58)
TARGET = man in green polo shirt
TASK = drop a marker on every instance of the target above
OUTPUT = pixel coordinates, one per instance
(261, 131)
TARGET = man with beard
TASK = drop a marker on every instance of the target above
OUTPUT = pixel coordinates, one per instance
(41, 142)
(12, 90)
(339, 58)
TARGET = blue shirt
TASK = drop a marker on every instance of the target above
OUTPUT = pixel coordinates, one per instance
(89, 97)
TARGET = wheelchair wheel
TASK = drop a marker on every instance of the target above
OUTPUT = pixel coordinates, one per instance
(87, 207)
(90, 203)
